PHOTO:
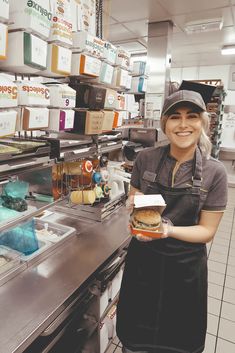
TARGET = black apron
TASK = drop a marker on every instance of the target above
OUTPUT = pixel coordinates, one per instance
(163, 299)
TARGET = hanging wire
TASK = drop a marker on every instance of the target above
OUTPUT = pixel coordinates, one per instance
(99, 18)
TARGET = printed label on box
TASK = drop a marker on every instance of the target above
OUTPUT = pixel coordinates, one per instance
(3, 41)
(7, 122)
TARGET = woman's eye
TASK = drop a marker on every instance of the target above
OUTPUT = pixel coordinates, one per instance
(193, 116)
(173, 117)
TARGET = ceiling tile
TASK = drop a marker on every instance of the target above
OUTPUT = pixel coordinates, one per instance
(185, 6)
(139, 28)
(133, 47)
(117, 32)
(131, 10)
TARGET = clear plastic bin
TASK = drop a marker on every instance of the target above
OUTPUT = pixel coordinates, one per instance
(52, 232)
(9, 259)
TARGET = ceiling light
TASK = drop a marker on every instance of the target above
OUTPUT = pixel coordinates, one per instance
(212, 24)
(228, 50)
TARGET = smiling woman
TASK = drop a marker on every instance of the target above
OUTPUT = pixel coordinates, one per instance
(163, 297)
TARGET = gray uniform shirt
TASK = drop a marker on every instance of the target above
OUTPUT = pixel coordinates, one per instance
(214, 177)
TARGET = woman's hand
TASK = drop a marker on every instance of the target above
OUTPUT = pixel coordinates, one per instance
(130, 200)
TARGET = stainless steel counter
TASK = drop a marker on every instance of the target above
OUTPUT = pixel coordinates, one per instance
(34, 298)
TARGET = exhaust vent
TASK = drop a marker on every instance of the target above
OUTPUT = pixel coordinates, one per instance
(200, 26)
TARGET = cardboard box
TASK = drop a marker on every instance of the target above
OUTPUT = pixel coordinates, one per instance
(110, 53)
(8, 93)
(139, 84)
(155, 202)
(26, 53)
(58, 61)
(111, 99)
(118, 118)
(85, 42)
(120, 77)
(86, 16)
(83, 64)
(34, 118)
(88, 122)
(123, 58)
(61, 120)
(139, 68)
(61, 27)
(4, 14)
(32, 16)
(62, 96)
(7, 122)
(32, 93)
(121, 101)
(108, 120)
(88, 96)
(3, 41)
(106, 73)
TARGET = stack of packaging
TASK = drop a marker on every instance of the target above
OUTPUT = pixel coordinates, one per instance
(121, 75)
(33, 99)
(4, 17)
(8, 100)
(60, 40)
(62, 100)
(29, 29)
(139, 79)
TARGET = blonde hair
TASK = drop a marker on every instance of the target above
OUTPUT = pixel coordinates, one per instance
(204, 142)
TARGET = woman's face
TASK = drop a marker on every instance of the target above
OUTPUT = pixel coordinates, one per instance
(184, 128)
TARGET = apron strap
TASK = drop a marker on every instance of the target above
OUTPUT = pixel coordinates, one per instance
(197, 169)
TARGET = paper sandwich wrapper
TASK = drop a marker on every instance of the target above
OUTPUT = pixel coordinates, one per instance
(155, 201)
(3, 41)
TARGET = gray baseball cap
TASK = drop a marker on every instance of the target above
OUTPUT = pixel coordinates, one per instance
(183, 96)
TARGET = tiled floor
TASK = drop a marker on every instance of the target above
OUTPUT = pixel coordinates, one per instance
(221, 301)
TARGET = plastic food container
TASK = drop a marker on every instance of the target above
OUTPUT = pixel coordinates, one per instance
(52, 232)
(21, 238)
(8, 259)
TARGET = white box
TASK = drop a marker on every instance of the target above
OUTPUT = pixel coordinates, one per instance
(32, 16)
(8, 93)
(32, 93)
(4, 14)
(85, 42)
(139, 84)
(86, 16)
(26, 53)
(34, 118)
(61, 28)
(7, 122)
(3, 41)
(74, 14)
(123, 58)
(139, 68)
(58, 61)
(85, 65)
(106, 73)
(128, 82)
(110, 53)
(108, 120)
(61, 120)
(62, 96)
(120, 77)
(111, 99)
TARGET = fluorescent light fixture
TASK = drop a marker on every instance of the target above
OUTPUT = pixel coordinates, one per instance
(228, 50)
(207, 25)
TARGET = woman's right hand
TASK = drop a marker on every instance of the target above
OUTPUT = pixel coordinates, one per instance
(130, 201)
